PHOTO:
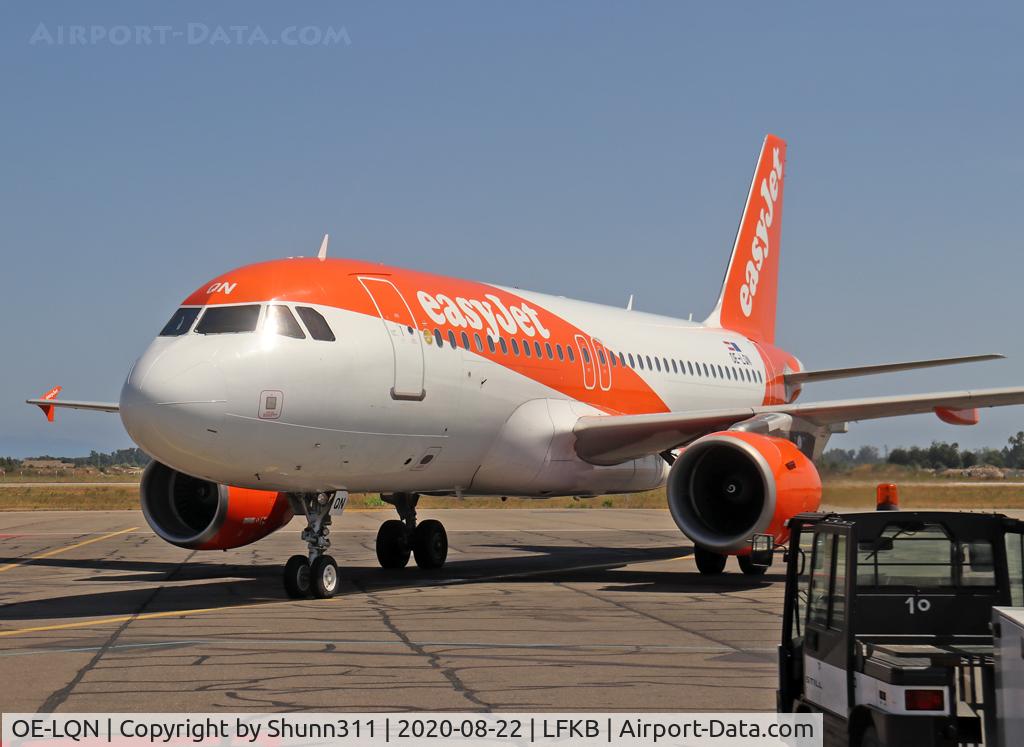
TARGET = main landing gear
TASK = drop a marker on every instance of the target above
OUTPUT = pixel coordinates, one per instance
(713, 564)
(397, 539)
(316, 574)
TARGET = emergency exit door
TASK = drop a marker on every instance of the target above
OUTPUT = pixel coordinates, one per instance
(401, 328)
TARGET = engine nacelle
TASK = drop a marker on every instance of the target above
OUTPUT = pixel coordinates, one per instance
(202, 515)
(728, 486)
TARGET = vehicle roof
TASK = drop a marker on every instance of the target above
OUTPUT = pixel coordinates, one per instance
(872, 523)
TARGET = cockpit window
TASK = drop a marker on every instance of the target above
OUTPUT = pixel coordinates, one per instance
(315, 323)
(218, 320)
(181, 322)
(280, 321)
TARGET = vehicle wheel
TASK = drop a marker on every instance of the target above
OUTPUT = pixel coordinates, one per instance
(708, 563)
(296, 577)
(430, 544)
(324, 576)
(749, 568)
(392, 544)
(869, 737)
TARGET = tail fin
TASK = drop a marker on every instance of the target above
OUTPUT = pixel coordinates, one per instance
(748, 299)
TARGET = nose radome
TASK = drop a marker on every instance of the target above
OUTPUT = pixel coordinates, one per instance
(172, 405)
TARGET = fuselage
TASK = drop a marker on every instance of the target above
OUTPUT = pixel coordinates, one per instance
(430, 384)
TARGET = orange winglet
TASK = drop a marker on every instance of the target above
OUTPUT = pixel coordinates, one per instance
(48, 409)
(958, 417)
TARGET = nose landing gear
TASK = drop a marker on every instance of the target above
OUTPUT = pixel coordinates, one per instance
(316, 574)
(398, 539)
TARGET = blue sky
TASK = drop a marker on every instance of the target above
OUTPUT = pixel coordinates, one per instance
(588, 149)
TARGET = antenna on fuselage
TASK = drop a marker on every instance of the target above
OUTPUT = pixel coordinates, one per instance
(629, 303)
(322, 254)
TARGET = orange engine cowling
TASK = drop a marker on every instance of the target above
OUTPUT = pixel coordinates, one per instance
(728, 486)
(201, 515)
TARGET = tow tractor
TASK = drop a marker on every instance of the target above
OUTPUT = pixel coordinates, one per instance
(887, 624)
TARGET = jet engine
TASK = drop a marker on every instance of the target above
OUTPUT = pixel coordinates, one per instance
(201, 515)
(728, 486)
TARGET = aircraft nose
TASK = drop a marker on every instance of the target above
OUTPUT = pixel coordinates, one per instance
(172, 405)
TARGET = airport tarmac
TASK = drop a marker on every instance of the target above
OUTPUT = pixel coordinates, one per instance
(535, 610)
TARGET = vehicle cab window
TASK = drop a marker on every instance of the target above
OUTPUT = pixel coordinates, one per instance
(907, 555)
(1015, 566)
(181, 322)
(219, 320)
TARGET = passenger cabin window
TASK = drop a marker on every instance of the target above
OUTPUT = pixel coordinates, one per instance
(219, 320)
(316, 325)
(181, 322)
(280, 321)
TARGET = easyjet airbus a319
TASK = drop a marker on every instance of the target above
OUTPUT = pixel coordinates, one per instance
(277, 388)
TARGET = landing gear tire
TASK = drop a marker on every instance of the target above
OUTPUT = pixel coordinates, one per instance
(324, 577)
(393, 544)
(316, 572)
(748, 568)
(708, 563)
(297, 579)
(430, 544)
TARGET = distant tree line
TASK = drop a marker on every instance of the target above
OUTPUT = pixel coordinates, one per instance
(940, 455)
(119, 458)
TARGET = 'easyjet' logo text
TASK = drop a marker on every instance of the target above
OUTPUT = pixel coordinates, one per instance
(492, 314)
(759, 246)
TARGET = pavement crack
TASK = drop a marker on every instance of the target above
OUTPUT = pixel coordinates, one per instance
(433, 659)
(57, 698)
(648, 615)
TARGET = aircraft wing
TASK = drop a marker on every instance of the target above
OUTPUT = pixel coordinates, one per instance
(612, 439)
(804, 377)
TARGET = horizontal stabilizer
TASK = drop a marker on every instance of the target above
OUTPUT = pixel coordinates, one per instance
(46, 404)
(826, 374)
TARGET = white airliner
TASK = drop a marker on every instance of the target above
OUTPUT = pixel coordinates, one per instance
(277, 388)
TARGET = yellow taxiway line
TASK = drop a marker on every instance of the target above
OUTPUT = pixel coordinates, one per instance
(59, 550)
(132, 618)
